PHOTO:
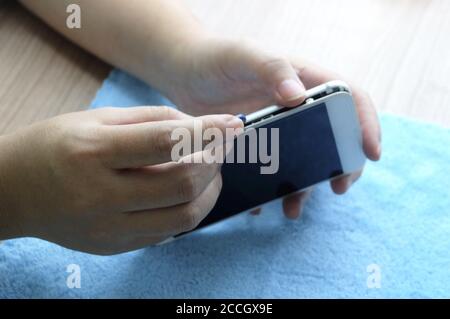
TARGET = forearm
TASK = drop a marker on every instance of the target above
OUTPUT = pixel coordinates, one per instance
(9, 215)
(144, 37)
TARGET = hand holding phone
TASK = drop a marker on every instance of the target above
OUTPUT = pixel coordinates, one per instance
(286, 150)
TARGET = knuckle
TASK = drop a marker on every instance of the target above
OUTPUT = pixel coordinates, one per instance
(162, 140)
(167, 111)
(208, 123)
(273, 65)
(79, 145)
(188, 188)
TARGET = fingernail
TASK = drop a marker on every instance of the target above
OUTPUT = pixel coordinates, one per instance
(242, 117)
(235, 122)
(291, 90)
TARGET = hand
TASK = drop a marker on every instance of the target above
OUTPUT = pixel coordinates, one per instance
(103, 182)
(231, 77)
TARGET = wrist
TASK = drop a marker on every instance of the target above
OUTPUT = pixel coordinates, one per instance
(170, 64)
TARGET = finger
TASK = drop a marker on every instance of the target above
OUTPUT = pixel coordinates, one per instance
(313, 75)
(293, 204)
(133, 115)
(163, 185)
(342, 184)
(370, 125)
(177, 219)
(283, 80)
(131, 146)
(276, 72)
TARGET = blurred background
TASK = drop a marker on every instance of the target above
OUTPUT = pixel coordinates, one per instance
(399, 51)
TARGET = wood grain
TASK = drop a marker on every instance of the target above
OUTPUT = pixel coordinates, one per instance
(41, 74)
(398, 50)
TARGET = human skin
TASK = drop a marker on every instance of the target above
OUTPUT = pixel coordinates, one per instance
(202, 73)
(102, 181)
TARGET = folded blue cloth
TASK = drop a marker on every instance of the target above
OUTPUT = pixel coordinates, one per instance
(391, 231)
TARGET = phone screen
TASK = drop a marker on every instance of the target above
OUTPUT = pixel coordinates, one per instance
(307, 155)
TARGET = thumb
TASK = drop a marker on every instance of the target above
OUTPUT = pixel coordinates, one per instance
(283, 80)
(276, 72)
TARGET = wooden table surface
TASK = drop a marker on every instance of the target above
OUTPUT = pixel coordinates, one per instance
(398, 50)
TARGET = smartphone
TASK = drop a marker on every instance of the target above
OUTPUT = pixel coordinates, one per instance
(316, 141)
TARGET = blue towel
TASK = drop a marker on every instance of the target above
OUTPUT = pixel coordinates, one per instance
(388, 237)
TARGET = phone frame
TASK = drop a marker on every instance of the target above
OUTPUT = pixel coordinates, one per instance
(340, 107)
